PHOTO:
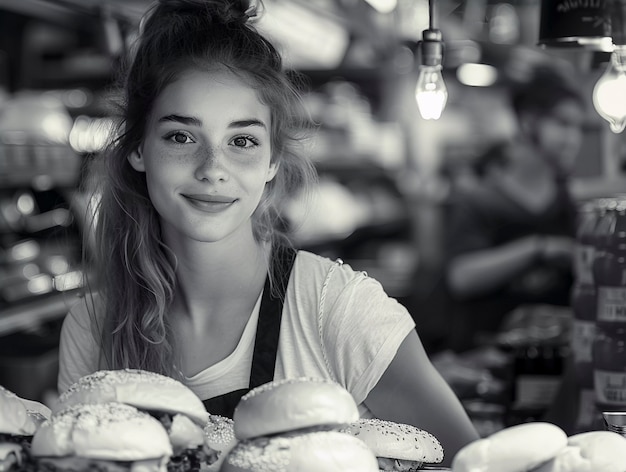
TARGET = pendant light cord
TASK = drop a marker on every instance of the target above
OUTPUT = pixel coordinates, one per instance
(431, 14)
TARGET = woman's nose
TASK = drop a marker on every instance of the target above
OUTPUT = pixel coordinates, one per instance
(210, 165)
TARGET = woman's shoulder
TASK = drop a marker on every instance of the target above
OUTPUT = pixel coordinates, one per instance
(320, 278)
(309, 259)
(318, 267)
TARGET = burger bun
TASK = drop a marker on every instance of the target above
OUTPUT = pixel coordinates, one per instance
(107, 431)
(14, 415)
(291, 405)
(139, 388)
(388, 439)
(519, 448)
(589, 452)
(219, 439)
(328, 451)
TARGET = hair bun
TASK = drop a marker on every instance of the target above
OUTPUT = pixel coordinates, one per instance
(222, 11)
(251, 8)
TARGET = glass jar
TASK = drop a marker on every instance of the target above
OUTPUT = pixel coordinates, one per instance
(583, 301)
(609, 360)
(583, 296)
(609, 346)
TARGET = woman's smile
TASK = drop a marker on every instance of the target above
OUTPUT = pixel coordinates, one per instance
(210, 203)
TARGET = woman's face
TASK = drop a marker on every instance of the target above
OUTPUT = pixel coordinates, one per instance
(207, 156)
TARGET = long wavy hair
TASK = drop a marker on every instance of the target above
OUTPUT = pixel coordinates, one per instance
(134, 271)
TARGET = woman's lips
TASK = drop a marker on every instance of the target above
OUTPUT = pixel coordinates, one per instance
(210, 203)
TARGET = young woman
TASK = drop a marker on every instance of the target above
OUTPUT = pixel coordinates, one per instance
(196, 280)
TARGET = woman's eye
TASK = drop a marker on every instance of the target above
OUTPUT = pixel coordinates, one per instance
(244, 141)
(179, 138)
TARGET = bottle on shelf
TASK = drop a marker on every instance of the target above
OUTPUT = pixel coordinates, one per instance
(584, 303)
(609, 346)
(539, 352)
(537, 372)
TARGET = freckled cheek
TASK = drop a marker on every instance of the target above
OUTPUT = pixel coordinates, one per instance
(165, 157)
(245, 164)
(167, 165)
(162, 173)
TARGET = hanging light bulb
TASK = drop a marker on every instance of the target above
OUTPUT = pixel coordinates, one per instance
(609, 93)
(431, 93)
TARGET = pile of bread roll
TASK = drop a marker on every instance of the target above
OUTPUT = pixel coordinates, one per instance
(312, 425)
(543, 447)
(136, 420)
(129, 419)
(115, 420)
(294, 425)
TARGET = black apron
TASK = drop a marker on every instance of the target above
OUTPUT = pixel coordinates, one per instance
(267, 333)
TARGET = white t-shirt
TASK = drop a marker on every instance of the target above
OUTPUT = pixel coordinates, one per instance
(337, 324)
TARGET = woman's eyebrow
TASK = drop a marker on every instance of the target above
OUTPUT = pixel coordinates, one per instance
(186, 120)
(246, 123)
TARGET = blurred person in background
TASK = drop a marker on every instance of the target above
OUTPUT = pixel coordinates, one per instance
(511, 221)
(196, 277)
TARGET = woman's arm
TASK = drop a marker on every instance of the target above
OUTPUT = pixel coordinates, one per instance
(411, 391)
(480, 271)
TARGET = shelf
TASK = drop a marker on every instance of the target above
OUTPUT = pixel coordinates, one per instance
(598, 187)
(27, 315)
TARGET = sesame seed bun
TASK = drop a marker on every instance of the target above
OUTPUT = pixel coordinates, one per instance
(139, 388)
(293, 404)
(398, 442)
(107, 431)
(219, 439)
(328, 451)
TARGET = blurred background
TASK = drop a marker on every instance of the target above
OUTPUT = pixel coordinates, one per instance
(385, 171)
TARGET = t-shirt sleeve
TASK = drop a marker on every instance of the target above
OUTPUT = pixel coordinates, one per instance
(78, 348)
(362, 329)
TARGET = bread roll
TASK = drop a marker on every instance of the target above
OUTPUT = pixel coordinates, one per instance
(107, 431)
(293, 404)
(139, 388)
(19, 419)
(391, 441)
(593, 451)
(219, 438)
(319, 451)
(14, 417)
(518, 448)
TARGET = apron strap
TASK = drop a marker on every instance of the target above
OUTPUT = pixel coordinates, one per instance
(224, 405)
(270, 314)
(267, 334)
